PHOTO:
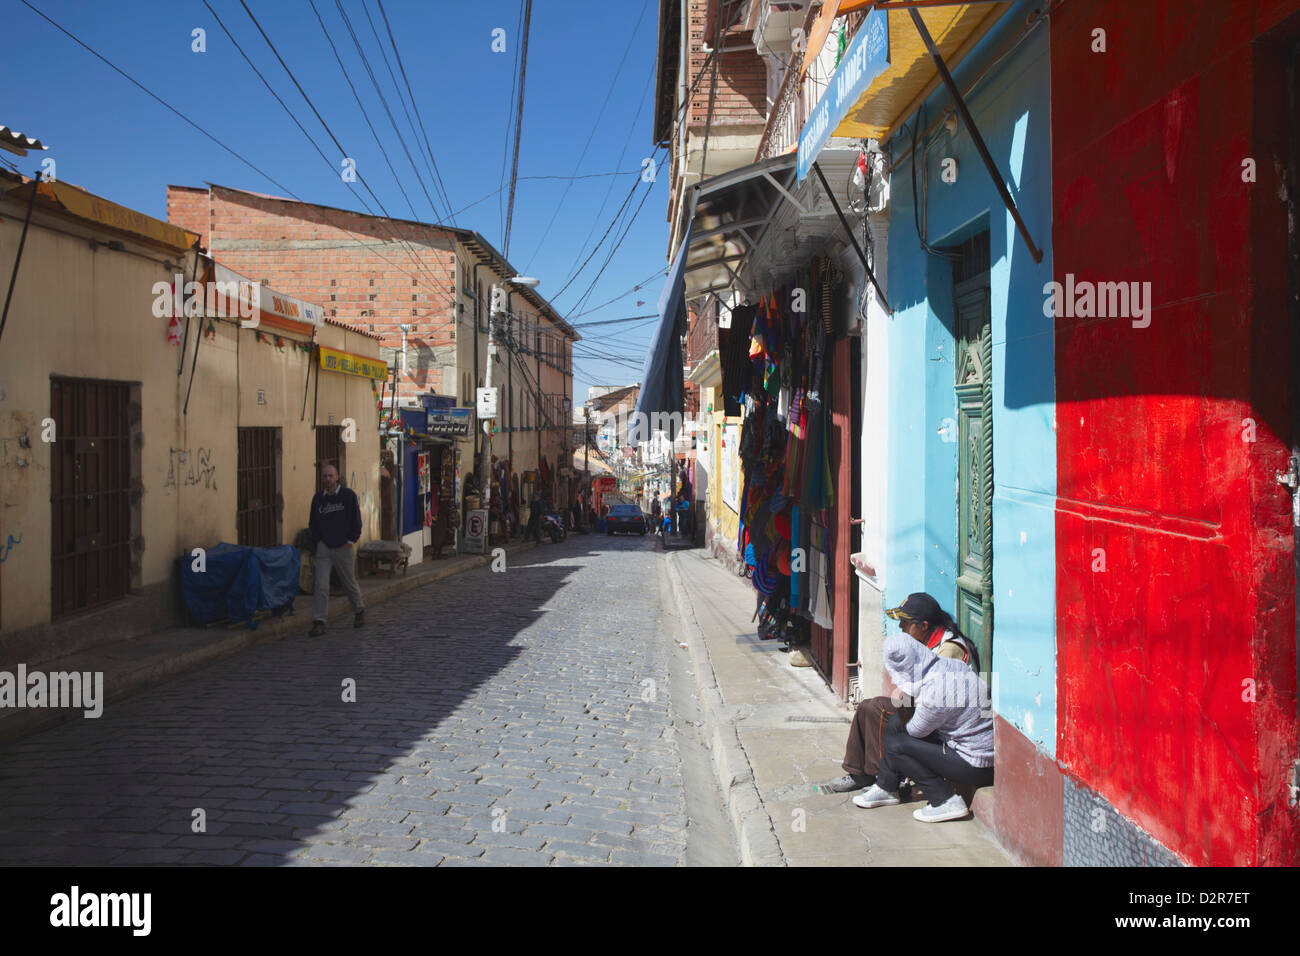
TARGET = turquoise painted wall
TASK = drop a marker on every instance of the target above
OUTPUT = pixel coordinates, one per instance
(1010, 106)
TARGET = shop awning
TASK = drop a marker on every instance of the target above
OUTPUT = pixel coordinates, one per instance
(103, 212)
(731, 213)
(662, 377)
(273, 310)
(886, 70)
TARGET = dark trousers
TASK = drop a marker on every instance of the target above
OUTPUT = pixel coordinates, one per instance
(534, 529)
(862, 754)
(931, 765)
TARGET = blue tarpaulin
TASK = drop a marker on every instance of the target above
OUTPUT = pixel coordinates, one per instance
(662, 381)
(237, 581)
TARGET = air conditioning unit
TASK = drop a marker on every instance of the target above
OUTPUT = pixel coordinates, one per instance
(777, 23)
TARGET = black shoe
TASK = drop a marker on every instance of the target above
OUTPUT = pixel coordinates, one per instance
(849, 782)
(317, 629)
(360, 618)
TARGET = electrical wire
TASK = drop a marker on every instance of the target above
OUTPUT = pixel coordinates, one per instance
(219, 142)
(615, 247)
(392, 231)
(612, 225)
(383, 101)
(510, 122)
(154, 96)
(433, 159)
(519, 126)
(365, 7)
(495, 192)
(622, 295)
(591, 135)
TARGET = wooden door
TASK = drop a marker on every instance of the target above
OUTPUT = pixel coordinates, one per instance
(90, 481)
(974, 392)
(258, 507)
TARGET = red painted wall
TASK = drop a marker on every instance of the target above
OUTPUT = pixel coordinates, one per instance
(1155, 476)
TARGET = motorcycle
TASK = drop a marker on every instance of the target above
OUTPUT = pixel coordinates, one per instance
(554, 528)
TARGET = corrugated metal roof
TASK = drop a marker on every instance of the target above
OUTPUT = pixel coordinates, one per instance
(16, 142)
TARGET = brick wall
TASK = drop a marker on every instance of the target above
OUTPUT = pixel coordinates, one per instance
(741, 92)
(187, 207)
(369, 272)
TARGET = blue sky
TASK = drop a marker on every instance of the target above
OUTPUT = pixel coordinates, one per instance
(590, 77)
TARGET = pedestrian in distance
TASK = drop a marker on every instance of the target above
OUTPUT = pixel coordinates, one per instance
(534, 530)
(656, 513)
(335, 526)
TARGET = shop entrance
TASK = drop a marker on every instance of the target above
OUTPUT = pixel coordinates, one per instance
(90, 482)
(257, 516)
(974, 392)
(435, 495)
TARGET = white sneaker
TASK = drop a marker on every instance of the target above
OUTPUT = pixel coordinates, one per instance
(954, 808)
(875, 796)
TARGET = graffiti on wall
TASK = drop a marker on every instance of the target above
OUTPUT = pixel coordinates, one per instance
(9, 544)
(15, 450)
(191, 468)
(365, 498)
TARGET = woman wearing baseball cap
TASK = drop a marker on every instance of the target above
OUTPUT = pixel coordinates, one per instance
(921, 618)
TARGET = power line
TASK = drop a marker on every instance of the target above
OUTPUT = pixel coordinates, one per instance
(617, 216)
(383, 101)
(392, 230)
(157, 98)
(622, 295)
(626, 143)
(631, 318)
(519, 125)
(591, 135)
(496, 192)
(433, 159)
(510, 122)
(154, 96)
(615, 247)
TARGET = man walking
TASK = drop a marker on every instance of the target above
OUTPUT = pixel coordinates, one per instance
(335, 525)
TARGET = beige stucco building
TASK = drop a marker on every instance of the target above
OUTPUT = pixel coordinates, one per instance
(127, 438)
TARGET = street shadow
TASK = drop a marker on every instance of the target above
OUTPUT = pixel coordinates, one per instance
(262, 751)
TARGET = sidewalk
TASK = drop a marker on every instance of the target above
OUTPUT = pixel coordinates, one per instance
(778, 732)
(150, 659)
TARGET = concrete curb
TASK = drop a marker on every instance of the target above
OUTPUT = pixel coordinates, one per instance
(127, 670)
(754, 831)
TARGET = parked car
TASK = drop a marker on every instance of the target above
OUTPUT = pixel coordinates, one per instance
(626, 518)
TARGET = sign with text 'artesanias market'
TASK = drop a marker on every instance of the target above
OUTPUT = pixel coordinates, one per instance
(864, 60)
(333, 360)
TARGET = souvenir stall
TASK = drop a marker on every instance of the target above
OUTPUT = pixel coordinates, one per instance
(779, 368)
(429, 498)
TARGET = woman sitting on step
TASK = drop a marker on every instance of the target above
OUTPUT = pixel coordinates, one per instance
(947, 739)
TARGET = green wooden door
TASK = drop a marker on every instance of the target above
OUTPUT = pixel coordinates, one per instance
(974, 388)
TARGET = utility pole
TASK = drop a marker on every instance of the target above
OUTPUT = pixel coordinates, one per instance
(485, 463)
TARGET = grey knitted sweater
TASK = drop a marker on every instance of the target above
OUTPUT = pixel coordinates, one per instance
(950, 699)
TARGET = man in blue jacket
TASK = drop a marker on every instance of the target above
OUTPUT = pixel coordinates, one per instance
(336, 526)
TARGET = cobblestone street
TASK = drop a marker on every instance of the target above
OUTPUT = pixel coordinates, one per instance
(523, 717)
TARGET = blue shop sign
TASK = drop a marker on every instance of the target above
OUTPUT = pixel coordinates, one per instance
(450, 422)
(865, 59)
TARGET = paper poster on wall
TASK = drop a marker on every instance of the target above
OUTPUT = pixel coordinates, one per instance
(730, 477)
